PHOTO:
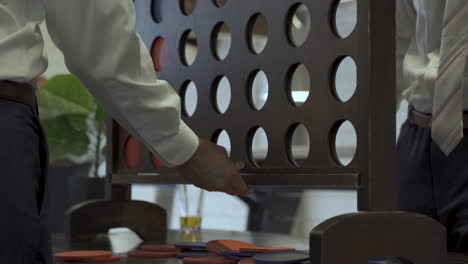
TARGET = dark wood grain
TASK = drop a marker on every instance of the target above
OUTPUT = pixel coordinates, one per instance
(319, 114)
(319, 180)
(358, 237)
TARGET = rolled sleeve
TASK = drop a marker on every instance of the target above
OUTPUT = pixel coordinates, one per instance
(103, 50)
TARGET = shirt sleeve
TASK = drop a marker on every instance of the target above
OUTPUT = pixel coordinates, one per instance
(103, 50)
(405, 33)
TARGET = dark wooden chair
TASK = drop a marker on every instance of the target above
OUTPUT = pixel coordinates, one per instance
(88, 222)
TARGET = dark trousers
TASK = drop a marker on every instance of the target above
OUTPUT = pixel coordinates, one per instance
(24, 238)
(433, 184)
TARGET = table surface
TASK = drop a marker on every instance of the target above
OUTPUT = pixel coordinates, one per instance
(173, 236)
(123, 241)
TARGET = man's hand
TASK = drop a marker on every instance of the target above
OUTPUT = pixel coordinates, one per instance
(211, 169)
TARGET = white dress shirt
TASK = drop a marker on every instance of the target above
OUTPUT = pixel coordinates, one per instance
(103, 50)
(419, 35)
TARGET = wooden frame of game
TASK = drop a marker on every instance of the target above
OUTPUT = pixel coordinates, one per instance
(371, 110)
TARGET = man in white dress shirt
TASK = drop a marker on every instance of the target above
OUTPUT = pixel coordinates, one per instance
(432, 75)
(101, 48)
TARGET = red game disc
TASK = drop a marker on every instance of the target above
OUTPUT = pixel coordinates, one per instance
(151, 255)
(160, 248)
(132, 152)
(209, 260)
(157, 163)
(89, 261)
(159, 54)
(265, 249)
(218, 246)
(246, 261)
(83, 255)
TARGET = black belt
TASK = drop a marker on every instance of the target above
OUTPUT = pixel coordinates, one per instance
(425, 120)
(23, 93)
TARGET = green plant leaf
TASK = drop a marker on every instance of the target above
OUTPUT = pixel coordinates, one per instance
(64, 139)
(100, 114)
(64, 95)
(66, 106)
(78, 122)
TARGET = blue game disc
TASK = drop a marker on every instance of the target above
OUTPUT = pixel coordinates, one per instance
(191, 245)
(303, 251)
(281, 257)
(238, 253)
(194, 254)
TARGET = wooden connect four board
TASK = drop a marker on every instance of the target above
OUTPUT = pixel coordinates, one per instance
(165, 26)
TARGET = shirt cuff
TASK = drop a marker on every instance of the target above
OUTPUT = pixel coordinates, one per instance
(178, 149)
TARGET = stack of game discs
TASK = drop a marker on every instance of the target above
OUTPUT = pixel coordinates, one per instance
(209, 260)
(211, 255)
(193, 249)
(167, 253)
(151, 256)
(247, 253)
(89, 257)
(213, 252)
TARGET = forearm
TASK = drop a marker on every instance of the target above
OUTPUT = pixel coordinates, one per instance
(102, 48)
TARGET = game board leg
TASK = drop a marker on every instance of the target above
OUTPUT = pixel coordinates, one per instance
(355, 238)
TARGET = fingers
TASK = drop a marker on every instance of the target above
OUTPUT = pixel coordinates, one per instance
(236, 185)
(250, 190)
(240, 165)
(229, 190)
(212, 170)
(229, 185)
(224, 151)
(239, 186)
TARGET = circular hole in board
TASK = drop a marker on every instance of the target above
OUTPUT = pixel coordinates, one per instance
(259, 89)
(188, 47)
(298, 24)
(345, 79)
(299, 144)
(132, 152)
(222, 98)
(299, 84)
(221, 41)
(190, 98)
(345, 18)
(157, 10)
(258, 33)
(344, 142)
(159, 54)
(187, 6)
(220, 3)
(222, 138)
(258, 146)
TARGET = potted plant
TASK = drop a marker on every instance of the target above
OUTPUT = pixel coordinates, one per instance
(75, 127)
